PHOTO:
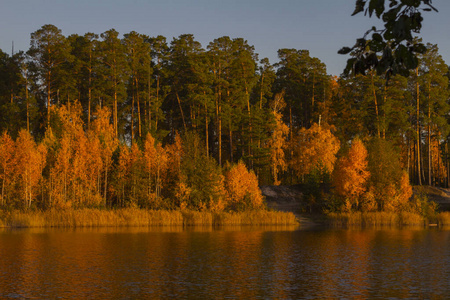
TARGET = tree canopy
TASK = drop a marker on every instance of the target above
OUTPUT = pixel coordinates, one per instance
(390, 50)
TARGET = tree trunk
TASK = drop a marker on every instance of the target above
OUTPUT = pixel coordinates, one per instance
(106, 185)
(138, 108)
(27, 101)
(3, 190)
(376, 105)
(429, 147)
(419, 178)
(206, 127)
(181, 110)
(132, 114)
(48, 97)
(231, 144)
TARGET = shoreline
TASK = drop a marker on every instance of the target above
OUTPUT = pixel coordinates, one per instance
(133, 217)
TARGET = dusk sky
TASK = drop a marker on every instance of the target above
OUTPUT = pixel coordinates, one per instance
(320, 26)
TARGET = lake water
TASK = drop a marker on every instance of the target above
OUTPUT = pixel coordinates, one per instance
(244, 263)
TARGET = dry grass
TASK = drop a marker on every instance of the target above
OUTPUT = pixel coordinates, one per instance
(140, 217)
(376, 219)
(255, 217)
(443, 218)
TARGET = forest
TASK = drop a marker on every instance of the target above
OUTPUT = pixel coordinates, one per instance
(99, 120)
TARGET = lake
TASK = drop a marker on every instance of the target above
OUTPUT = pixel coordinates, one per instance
(245, 263)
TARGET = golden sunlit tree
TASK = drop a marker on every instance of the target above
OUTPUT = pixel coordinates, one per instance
(93, 158)
(30, 161)
(313, 147)
(60, 173)
(400, 195)
(351, 174)
(277, 145)
(7, 153)
(242, 188)
(103, 129)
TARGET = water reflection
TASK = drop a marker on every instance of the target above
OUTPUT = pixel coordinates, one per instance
(231, 262)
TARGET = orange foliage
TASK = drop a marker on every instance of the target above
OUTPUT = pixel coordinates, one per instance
(399, 197)
(242, 188)
(150, 163)
(439, 169)
(94, 162)
(123, 170)
(104, 131)
(30, 161)
(155, 165)
(313, 147)
(351, 174)
(6, 165)
(60, 172)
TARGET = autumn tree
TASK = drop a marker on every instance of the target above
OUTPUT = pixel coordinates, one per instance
(350, 176)
(278, 141)
(313, 147)
(201, 181)
(104, 131)
(242, 188)
(30, 161)
(7, 155)
(385, 172)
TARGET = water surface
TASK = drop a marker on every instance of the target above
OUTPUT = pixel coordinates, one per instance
(246, 263)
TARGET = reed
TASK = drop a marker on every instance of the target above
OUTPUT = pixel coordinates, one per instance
(443, 218)
(255, 217)
(140, 217)
(376, 219)
(197, 218)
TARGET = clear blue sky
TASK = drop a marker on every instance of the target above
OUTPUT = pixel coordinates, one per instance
(320, 26)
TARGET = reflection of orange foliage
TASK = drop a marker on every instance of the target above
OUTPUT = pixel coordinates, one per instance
(351, 174)
(242, 187)
(312, 147)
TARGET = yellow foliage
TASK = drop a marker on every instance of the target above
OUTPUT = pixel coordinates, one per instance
(30, 161)
(277, 144)
(312, 147)
(399, 198)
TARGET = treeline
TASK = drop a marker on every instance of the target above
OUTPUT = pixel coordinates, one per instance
(72, 168)
(140, 121)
